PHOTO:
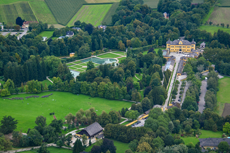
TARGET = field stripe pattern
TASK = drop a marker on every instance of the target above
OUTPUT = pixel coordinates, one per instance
(108, 17)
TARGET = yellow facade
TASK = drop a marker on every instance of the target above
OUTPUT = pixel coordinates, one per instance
(181, 48)
(71, 54)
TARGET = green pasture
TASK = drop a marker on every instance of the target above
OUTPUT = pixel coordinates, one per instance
(108, 17)
(52, 150)
(108, 55)
(223, 94)
(102, 1)
(220, 15)
(64, 10)
(61, 103)
(9, 13)
(208, 15)
(121, 147)
(225, 2)
(47, 82)
(151, 3)
(42, 11)
(47, 34)
(93, 14)
(213, 29)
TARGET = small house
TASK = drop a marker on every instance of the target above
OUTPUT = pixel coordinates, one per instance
(26, 24)
(69, 34)
(102, 27)
(92, 131)
(202, 45)
(71, 54)
(212, 143)
(166, 15)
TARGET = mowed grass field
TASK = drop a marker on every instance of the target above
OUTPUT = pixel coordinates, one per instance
(93, 14)
(47, 34)
(52, 150)
(109, 55)
(223, 94)
(61, 103)
(64, 10)
(151, 3)
(9, 13)
(225, 2)
(220, 15)
(108, 17)
(102, 1)
(213, 29)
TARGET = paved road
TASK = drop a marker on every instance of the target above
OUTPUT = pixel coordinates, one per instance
(22, 34)
(202, 95)
(173, 78)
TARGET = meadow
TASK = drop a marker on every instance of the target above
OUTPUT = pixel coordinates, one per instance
(93, 14)
(219, 15)
(52, 150)
(213, 29)
(61, 103)
(223, 94)
(102, 1)
(151, 3)
(109, 55)
(47, 34)
(225, 3)
(63, 11)
(9, 13)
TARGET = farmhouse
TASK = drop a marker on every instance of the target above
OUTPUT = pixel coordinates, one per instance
(212, 143)
(180, 46)
(92, 131)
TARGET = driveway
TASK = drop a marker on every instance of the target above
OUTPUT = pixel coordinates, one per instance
(23, 33)
(202, 95)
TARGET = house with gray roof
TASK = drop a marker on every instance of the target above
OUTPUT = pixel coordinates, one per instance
(180, 45)
(92, 131)
(212, 143)
(202, 45)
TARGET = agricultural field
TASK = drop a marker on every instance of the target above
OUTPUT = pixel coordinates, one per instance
(47, 34)
(102, 1)
(225, 3)
(61, 103)
(52, 150)
(151, 3)
(219, 15)
(109, 55)
(42, 11)
(9, 13)
(213, 29)
(108, 17)
(63, 11)
(93, 14)
(197, 1)
(223, 94)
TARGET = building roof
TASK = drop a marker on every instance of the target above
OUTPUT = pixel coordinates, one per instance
(213, 141)
(184, 42)
(76, 28)
(181, 66)
(28, 22)
(70, 33)
(93, 129)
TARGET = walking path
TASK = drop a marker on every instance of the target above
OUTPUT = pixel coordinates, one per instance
(49, 79)
(124, 120)
(203, 90)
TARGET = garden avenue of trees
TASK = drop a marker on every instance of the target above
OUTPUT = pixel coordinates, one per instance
(26, 62)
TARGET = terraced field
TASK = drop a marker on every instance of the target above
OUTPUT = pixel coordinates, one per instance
(9, 13)
(220, 15)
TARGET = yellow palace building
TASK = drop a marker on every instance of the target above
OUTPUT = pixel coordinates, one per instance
(180, 45)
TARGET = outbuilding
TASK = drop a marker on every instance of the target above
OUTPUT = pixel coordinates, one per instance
(92, 131)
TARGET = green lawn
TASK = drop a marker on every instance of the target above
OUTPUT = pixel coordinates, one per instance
(61, 103)
(83, 64)
(2, 82)
(93, 14)
(77, 66)
(108, 55)
(120, 53)
(127, 122)
(52, 150)
(205, 134)
(223, 94)
(121, 147)
(135, 79)
(47, 34)
(213, 29)
(69, 64)
(120, 59)
(47, 82)
(77, 62)
(139, 76)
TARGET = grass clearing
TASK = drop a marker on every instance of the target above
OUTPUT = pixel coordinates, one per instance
(213, 29)
(47, 82)
(61, 103)
(9, 13)
(223, 94)
(120, 53)
(220, 15)
(93, 14)
(47, 34)
(42, 11)
(151, 3)
(83, 64)
(120, 59)
(108, 55)
(187, 140)
(63, 11)
(52, 150)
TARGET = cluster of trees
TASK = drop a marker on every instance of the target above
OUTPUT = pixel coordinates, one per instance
(167, 75)
(212, 86)
(104, 146)
(89, 116)
(142, 107)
